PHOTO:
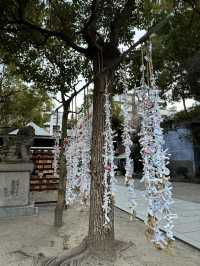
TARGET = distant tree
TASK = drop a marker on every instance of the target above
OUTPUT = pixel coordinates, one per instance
(193, 75)
(117, 117)
(21, 104)
(176, 52)
(57, 70)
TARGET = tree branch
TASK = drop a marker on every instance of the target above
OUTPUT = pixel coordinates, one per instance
(66, 95)
(73, 112)
(46, 33)
(70, 98)
(74, 87)
(93, 17)
(81, 89)
(119, 20)
(143, 39)
(146, 36)
(90, 28)
(56, 99)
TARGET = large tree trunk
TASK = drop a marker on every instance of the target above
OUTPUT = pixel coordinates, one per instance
(58, 215)
(99, 236)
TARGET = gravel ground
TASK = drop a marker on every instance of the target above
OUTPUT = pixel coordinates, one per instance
(24, 239)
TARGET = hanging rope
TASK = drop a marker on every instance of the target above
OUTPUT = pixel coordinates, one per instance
(156, 175)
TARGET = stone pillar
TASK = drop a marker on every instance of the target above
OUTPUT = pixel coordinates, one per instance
(14, 189)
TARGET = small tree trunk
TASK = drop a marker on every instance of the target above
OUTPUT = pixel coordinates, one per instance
(184, 104)
(58, 215)
(58, 218)
(99, 236)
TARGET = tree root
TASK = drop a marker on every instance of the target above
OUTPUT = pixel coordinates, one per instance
(126, 246)
(72, 257)
(77, 255)
(22, 253)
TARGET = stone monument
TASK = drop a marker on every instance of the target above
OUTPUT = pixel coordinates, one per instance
(15, 170)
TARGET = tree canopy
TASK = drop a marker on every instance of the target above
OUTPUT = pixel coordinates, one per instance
(54, 26)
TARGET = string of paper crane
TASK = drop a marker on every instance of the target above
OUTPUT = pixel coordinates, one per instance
(108, 156)
(156, 175)
(127, 143)
(78, 161)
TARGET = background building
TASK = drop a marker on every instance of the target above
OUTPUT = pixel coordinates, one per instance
(54, 123)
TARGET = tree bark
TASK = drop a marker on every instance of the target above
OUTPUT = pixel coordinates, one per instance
(58, 215)
(99, 235)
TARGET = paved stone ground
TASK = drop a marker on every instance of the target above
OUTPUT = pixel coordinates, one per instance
(181, 190)
(186, 206)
